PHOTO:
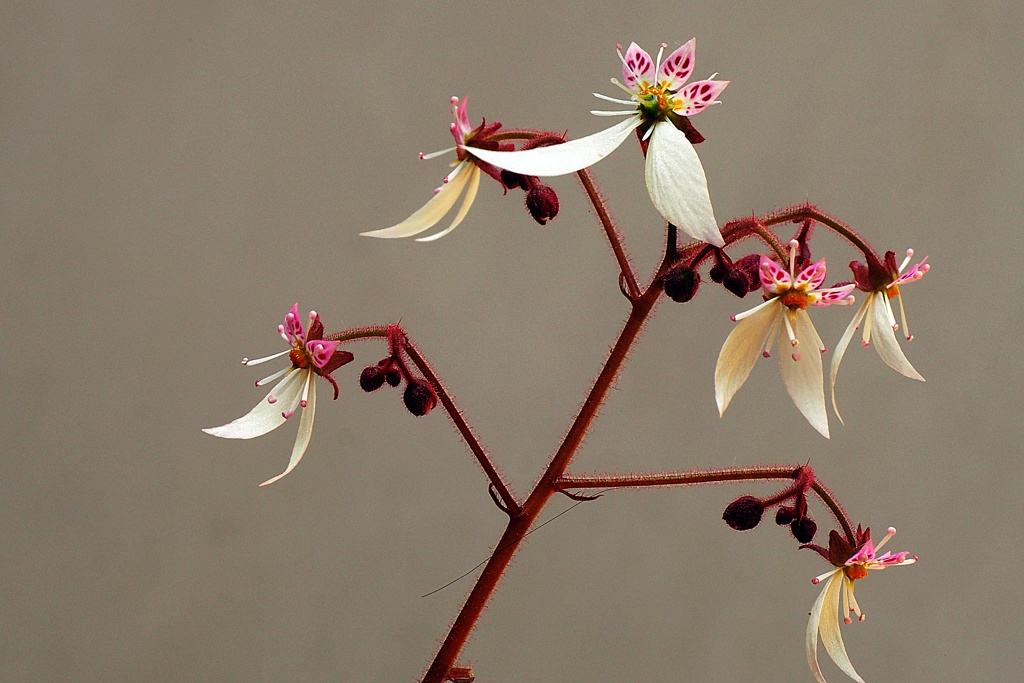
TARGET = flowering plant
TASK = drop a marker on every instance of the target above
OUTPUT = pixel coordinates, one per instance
(780, 267)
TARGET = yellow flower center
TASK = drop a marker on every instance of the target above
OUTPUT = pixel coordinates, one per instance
(794, 298)
(655, 101)
(855, 571)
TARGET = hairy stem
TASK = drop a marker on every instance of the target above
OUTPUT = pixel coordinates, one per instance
(614, 238)
(519, 526)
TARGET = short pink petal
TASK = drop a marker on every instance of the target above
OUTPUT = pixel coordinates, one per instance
(697, 96)
(293, 325)
(637, 66)
(811, 277)
(678, 66)
(320, 351)
(774, 278)
(915, 272)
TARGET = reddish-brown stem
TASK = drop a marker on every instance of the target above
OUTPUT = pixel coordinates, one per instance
(519, 526)
(698, 476)
(511, 504)
(447, 401)
(805, 212)
(837, 510)
(614, 238)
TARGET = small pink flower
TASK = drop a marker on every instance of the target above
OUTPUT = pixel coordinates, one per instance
(839, 588)
(783, 315)
(310, 354)
(466, 176)
(879, 321)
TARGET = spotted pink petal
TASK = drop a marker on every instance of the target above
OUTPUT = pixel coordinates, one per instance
(461, 128)
(293, 325)
(320, 351)
(699, 95)
(916, 272)
(774, 278)
(811, 277)
(678, 66)
(833, 295)
(637, 66)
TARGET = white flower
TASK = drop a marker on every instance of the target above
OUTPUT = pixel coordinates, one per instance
(879, 321)
(784, 316)
(310, 355)
(839, 587)
(659, 98)
(466, 176)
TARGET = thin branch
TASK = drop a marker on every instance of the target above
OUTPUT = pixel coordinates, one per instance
(614, 238)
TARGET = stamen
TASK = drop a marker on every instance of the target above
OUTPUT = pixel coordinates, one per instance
(889, 533)
(793, 245)
(740, 316)
(903, 317)
(606, 98)
(649, 132)
(888, 311)
(305, 390)
(910, 255)
(657, 62)
(271, 378)
(434, 155)
(257, 361)
(789, 330)
(624, 87)
(846, 600)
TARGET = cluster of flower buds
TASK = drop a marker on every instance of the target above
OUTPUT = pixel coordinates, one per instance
(746, 512)
(419, 396)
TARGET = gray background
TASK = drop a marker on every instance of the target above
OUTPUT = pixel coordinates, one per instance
(176, 175)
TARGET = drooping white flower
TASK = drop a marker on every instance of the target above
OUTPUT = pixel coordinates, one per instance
(466, 176)
(310, 355)
(878, 319)
(659, 98)
(839, 584)
(783, 316)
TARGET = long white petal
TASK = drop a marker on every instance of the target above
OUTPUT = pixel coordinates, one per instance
(474, 185)
(811, 640)
(433, 211)
(803, 378)
(884, 339)
(840, 351)
(305, 430)
(831, 638)
(678, 187)
(266, 416)
(567, 157)
(740, 352)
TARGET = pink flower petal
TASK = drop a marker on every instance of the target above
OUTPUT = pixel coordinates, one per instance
(637, 66)
(774, 278)
(678, 66)
(811, 277)
(699, 95)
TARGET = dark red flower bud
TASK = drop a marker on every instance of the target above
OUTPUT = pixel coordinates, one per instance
(750, 264)
(371, 378)
(718, 272)
(744, 513)
(681, 284)
(803, 529)
(785, 515)
(737, 282)
(419, 397)
(542, 203)
(515, 180)
(393, 376)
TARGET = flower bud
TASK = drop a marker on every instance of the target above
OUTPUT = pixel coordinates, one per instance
(737, 282)
(419, 397)
(718, 272)
(785, 515)
(393, 376)
(515, 180)
(744, 513)
(803, 529)
(371, 378)
(542, 203)
(681, 284)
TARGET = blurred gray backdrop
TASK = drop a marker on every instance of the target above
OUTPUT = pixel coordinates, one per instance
(176, 175)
